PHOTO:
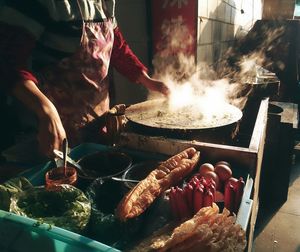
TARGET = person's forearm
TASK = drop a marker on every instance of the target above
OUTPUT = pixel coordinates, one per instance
(50, 129)
(29, 94)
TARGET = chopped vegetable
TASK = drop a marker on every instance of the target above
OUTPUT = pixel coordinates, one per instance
(63, 206)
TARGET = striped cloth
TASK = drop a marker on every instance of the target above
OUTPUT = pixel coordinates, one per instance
(45, 31)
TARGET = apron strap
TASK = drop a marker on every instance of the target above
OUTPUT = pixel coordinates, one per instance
(82, 18)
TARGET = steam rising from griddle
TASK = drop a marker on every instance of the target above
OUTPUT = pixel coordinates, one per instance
(205, 89)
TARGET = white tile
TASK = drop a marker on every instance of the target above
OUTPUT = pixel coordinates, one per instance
(216, 51)
(209, 54)
(233, 15)
(205, 35)
(200, 53)
(199, 21)
(227, 17)
(221, 11)
(231, 2)
(230, 32)
(204, 54)
(212, 9)
(258, 8)
(202, 8)
(216, 31)
(223, 32)
(237, 3)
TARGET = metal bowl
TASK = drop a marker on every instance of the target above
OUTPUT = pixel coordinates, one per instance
(104, 164)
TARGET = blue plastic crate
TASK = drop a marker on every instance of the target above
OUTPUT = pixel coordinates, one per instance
(19, 234)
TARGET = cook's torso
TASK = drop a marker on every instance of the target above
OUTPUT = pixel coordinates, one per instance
(72, 60)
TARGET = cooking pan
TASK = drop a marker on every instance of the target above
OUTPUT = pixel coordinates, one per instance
(152, 117)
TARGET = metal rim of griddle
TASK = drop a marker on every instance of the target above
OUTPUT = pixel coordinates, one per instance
(143, 106)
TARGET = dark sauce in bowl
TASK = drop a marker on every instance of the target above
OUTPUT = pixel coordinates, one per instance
(104, 164)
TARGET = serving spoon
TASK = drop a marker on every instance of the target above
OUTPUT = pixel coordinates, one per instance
(60, 155)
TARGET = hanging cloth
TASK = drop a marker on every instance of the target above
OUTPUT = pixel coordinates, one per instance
(78, 85)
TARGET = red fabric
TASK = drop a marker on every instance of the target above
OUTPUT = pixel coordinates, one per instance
(124, 60)
(15, 48)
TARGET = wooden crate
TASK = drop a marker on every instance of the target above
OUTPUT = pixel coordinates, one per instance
(247, 158)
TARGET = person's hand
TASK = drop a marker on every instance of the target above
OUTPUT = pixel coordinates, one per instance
(153, 84)
(50, 132)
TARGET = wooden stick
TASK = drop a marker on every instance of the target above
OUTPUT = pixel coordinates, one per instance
(65, 153)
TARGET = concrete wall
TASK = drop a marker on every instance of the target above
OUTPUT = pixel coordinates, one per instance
(220, 22)
(132, 19)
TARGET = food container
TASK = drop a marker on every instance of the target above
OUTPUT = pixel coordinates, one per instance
(57, 176)
(104, 165)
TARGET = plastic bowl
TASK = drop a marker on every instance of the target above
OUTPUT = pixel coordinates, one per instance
(139, 171)
(56, 176)
(104, 164)
(103, 225)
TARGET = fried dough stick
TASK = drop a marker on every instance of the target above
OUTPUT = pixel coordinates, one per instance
(167, 174)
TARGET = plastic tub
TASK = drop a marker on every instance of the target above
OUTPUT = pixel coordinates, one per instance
(57, 176)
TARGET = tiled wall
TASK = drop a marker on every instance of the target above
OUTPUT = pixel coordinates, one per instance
(220, 22)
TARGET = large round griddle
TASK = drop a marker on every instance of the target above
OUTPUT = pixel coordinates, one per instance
(156, 115)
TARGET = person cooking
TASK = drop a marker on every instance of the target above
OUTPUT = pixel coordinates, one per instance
(54, 59)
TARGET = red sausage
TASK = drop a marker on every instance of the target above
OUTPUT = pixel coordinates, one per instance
(208, 198)
(229, 196)
(173, 204)
(189, 193)
(182, 205)
(198, 198)
(238, 194)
